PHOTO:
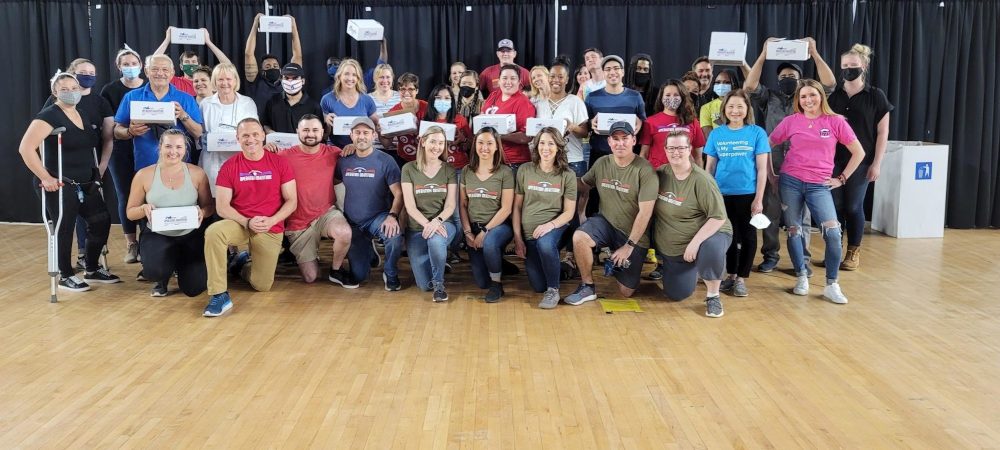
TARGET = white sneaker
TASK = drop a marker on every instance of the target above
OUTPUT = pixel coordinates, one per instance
(801, 285)
(833, 293)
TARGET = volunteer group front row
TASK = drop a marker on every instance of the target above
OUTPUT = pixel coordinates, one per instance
(262, 196)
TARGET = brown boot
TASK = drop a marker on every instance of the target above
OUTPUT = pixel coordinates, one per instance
(852, 260)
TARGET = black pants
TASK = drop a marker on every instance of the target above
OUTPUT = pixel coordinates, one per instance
(849, 200)
(94, 212)
(739, 257)
(163, 255)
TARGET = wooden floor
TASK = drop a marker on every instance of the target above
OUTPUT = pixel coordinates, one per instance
(912, 362)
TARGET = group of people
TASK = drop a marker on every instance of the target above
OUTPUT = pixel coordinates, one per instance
(677, 186)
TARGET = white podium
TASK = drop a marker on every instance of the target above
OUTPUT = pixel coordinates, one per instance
(910, 193)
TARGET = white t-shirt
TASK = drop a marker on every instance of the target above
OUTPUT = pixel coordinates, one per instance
(572, 108)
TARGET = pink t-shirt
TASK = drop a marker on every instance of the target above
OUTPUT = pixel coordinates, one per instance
(256, 185)
(520, 106)
(813, 144)
(654, 134)
(313, 184)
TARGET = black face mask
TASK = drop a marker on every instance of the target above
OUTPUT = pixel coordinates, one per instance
(641, 79)
(787, 85)
(466, 91)
(272, 75)
(851, 73)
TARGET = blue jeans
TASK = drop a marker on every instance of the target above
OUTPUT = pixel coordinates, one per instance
(456, 217)
(361, 251)
(428, 257)
(579, 167)
(489, 259)
(797, 195)
(122, 167)
(542, 263)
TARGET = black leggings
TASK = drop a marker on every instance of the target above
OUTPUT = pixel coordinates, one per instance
(162, 255)
(94, 212)
(739, 260)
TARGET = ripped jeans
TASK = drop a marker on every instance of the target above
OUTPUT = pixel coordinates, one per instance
(796, 195)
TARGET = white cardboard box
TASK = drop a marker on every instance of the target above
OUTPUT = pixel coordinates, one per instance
(179, 218)
(189, 36)
(222, 141)
(605, 120)
(449, 129)
(503, 123)
(365, 29)
(283, 140)
(535, 125)
(275, 24)
(788, 50)
(398, 124)
(160, 113)
(342, 125)
(727, 49)
(912, 190)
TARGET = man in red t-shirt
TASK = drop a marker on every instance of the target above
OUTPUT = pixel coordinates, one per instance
(254, 194)
(316, 216)
(510, 99)
(489, 78)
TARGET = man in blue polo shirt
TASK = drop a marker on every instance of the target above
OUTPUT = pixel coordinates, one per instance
(614, 98)
(145, 137)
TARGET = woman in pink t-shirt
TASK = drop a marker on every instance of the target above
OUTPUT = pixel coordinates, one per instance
(807, 178)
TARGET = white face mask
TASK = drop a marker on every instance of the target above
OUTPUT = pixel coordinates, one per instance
(292, 87)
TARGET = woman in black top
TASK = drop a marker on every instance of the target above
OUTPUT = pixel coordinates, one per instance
(81, 178)
(866, 109)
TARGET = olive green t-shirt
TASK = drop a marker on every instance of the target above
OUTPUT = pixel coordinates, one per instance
(543, 195)
(484, 196)
(621, 189)
(429, 193)
(683, 207)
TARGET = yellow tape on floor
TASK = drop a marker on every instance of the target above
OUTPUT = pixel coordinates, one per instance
(613, 306)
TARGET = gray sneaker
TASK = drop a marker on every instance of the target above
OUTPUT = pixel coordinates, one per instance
(740, 288)
(727, 285)
(581, 295)
(713, 307)
(550, 299)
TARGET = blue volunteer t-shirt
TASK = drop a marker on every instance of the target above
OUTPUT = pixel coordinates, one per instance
(365, 107)
(366, 185)
(146, 146)
(600, 101)
(736, 150)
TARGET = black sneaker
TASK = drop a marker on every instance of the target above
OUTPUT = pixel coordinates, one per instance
(139, 277)
(447, 268)
(159, 290)
(237, 262)
(342, 277)
(391, 283)
(494, 293)
(81, 263)
(657, 273)
(286, 258)
(508, 268)
(440, 295)
(453, 258)
(73, 283)
(102, 276)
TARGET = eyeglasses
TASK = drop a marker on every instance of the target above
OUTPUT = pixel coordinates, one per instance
(408, 89)
(677, 149)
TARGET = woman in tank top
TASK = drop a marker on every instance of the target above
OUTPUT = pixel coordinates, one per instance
(172, 183)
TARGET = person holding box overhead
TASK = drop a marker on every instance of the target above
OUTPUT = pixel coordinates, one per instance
(264, 81)
(510, 99)
(189, 61)
(172, 183)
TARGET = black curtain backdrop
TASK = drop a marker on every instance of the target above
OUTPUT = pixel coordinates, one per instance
(938, 65)
(927, 57)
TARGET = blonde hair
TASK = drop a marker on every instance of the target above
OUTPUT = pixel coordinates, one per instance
(76, 63)
(420, 145)
(544, 70)
(824, 105)
(344, 64)
(378, 72)
(862, 51)
(229, 68)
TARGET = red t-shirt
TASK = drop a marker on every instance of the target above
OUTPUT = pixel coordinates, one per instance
(458, 150)
(489, 78)
(313, 184)
(184, 85)
(519, 105)
(256, 185)
(654, 134)
(406, 144)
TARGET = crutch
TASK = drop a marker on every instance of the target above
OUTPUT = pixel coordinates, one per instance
(103, 259)
(52, 229)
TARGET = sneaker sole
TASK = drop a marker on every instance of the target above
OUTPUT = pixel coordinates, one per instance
(67, 288)
(741, 294)
(158, 294)
(801, 293)
(715, 316)
(583, 300)
(225, 308)
(341, 283)
(441, 300)
(547, 306)
(834, 301)
(92, 280)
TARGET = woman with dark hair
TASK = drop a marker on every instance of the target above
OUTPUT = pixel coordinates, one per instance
(406, 144)
(470, 98)
(442, 108)
(509, 99)
(639, 77)
(487, 196)
(544, 205)
(710, 115)
(580, 77)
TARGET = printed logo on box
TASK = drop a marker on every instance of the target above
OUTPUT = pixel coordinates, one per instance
(172, 220)
(784, 51)
(226, 141)
(725, 53)
(187, 35)
(153, 109)
(925, 171)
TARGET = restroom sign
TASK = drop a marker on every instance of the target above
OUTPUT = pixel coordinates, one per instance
(924, 171)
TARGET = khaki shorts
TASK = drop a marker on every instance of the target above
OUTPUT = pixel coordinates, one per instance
(304, 244)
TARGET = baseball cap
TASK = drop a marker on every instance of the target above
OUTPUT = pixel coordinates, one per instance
(621, 126)
(363, 121)
(505, 43)
(605, 60)
(293, 70)
(788, 65)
